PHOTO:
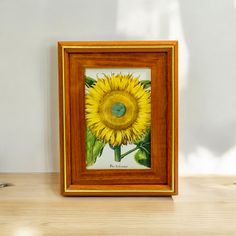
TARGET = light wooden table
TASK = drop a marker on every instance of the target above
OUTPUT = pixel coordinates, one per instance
(33, 206)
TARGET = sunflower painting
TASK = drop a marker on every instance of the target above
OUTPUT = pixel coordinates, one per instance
(118, 118)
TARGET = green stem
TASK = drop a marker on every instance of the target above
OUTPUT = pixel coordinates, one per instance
(117, 151)
(130, 151)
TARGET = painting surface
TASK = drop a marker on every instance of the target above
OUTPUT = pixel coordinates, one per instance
(118, 118)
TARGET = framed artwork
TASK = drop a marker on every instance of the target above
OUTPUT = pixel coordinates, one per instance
(118, 118)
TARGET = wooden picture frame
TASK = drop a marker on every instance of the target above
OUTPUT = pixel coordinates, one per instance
(160, 58)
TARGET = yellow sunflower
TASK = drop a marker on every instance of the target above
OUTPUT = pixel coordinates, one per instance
(118, 109)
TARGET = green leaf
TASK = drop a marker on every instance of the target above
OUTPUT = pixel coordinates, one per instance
(90, 140)
(101, 150)
(145, 138)
(89, 81)
(143, 155)
(146, 83)
(97, 149)
(142, 158)
(94, 148)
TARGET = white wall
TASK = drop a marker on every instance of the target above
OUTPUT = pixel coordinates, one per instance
(30, 29)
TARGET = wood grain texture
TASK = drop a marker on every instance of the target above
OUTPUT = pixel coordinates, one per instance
(205, 206)
(157, 55)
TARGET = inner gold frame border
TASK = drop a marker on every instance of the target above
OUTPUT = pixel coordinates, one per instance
(173, 117)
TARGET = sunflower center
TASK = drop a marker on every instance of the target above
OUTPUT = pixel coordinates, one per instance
(118, 109)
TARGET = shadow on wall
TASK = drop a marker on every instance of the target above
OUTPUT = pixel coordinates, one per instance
(205, 30)
(208, 114)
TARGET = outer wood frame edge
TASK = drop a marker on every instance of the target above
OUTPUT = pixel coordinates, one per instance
(62, 46)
